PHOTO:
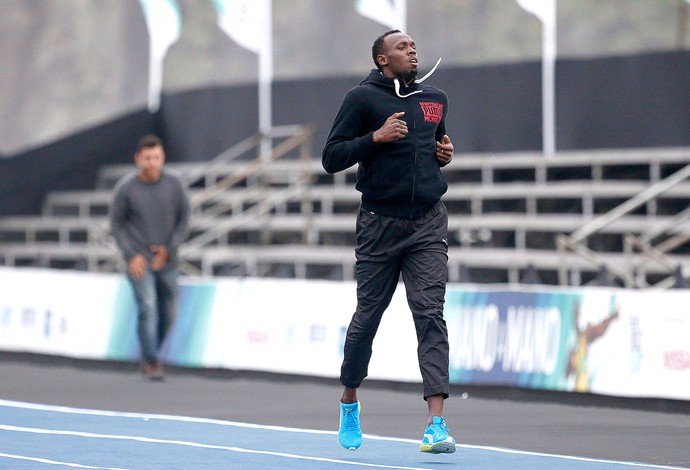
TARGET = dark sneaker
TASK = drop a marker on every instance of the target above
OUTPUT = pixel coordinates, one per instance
(350, 433)
(436, 439)
(153, 370)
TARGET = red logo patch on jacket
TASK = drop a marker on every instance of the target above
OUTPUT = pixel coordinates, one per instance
(432, 111)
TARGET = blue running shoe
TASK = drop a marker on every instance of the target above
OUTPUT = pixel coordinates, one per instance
(350, 434)
(436, 439)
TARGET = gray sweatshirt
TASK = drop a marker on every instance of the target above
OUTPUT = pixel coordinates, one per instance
(144, 214)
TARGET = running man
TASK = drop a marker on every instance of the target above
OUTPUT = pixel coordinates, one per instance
(394, 128)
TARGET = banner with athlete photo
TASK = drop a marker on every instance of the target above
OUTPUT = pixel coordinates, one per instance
(645, 350)
(606, 341)
(521, 339)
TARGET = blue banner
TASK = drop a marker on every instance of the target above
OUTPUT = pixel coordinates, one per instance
(522, 339)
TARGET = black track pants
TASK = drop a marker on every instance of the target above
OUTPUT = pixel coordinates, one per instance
(417, 248)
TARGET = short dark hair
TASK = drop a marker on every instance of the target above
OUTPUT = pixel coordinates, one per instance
(148, 141)
(377, 48)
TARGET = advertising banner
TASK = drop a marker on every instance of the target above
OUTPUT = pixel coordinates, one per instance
(593, 340)
(521, 339)
(278, 325)
(56, 312)
(606, 341)
(646, 348)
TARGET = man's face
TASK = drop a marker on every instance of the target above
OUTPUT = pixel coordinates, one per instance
(399, 57)
(150, 161)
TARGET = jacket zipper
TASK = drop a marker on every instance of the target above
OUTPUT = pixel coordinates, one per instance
(414, 148)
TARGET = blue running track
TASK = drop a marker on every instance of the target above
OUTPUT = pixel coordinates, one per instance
(47, 437)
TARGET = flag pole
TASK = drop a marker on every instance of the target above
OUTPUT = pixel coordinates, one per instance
(265, 80)
(545, 10)
(549, 85)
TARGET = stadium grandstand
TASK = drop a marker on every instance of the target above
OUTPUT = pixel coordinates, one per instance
(607, 207)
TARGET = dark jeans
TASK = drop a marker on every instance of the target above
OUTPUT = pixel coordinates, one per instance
(156, 298)
(417, 249)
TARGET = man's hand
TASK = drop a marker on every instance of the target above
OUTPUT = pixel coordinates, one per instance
(393, 129)
(444, 151)
(160, 258)
(137, 266)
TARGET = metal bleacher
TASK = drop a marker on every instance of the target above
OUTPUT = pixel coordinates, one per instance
(279, 214)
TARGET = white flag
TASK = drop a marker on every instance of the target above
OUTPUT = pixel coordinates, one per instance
(387, 12)
(164, 25)
(242, 21)
(545, 10)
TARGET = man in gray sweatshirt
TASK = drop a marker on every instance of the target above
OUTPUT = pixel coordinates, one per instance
(149, 217)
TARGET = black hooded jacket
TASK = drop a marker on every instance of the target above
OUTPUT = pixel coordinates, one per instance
(401, 178)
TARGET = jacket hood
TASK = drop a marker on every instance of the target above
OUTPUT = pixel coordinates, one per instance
(377, 78)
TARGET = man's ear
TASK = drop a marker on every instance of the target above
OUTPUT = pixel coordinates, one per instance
(382, 60)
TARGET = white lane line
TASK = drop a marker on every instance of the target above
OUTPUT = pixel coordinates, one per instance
(58, 432)
(161, 417)
(569, 457)
(56, 462)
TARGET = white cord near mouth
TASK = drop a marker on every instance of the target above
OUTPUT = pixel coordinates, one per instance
(430, 72)
(396, 82)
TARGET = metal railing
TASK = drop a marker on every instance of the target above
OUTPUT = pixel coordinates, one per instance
(209, 202)
(640, 250)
